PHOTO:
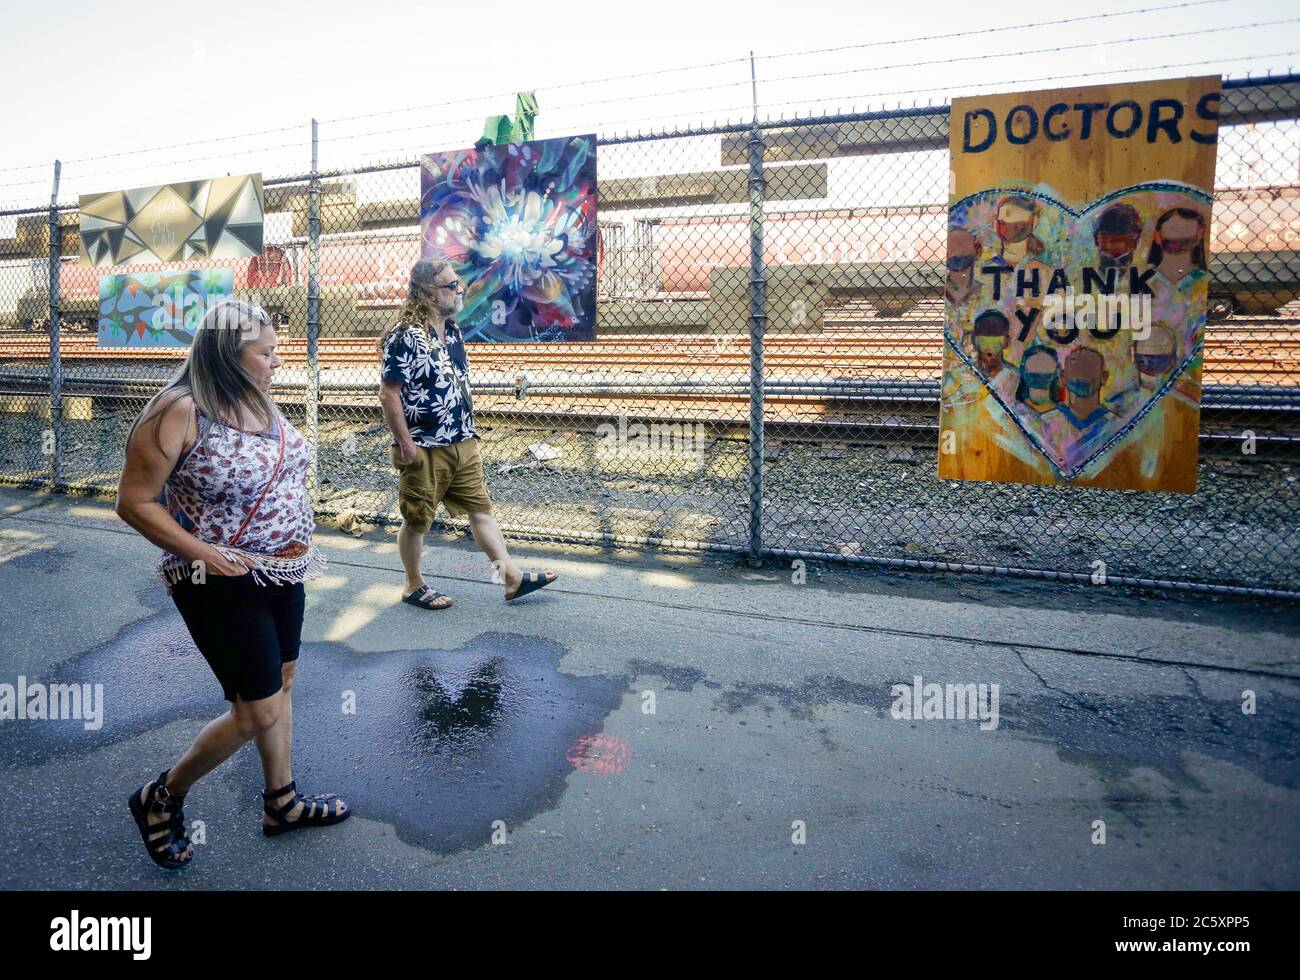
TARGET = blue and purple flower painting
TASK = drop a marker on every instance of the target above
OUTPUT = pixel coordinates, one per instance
(518, 223)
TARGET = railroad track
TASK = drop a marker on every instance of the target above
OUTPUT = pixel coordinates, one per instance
(840, 380)
(1261, 343)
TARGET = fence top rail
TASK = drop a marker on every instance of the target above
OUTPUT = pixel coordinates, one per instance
(35, 209)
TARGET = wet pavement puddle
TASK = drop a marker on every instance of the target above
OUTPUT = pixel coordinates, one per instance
(442, 742)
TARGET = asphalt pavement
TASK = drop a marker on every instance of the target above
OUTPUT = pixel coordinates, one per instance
(660, 721)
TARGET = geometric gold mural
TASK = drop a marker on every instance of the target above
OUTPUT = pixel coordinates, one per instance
(219, 218)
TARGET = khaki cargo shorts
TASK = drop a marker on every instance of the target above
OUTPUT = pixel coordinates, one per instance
(448, 475)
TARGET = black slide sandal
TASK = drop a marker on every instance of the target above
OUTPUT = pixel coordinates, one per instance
(317, 811)
(166, 850)
(531, 583)
(424, 597)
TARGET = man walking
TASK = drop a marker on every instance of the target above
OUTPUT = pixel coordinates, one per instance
(424, 391)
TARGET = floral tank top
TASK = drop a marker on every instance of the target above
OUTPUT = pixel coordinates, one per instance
(245, 494)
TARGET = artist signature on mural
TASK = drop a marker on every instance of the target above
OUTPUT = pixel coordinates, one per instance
(161, 230)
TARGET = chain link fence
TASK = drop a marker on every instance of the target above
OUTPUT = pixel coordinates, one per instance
(766, 369)
(27, 453)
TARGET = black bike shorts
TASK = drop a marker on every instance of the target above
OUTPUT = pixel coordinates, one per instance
(245, 631)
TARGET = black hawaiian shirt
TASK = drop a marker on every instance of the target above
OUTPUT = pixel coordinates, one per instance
(435, 383)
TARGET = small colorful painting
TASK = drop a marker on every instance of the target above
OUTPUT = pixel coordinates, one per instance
(158, 309)
(518, 223)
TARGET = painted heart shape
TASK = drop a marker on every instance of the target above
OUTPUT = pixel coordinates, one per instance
(1076, 386)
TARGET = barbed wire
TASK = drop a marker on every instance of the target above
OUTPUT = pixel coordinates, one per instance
(148, 167)
(550, 109)
(989, 30)
(788, 54)
(432, 126)
(693, 90)
(341, 137)
(34, 182)
(408, 154)
(613, 78)
(747, 107)
(152, 149)
(540, 88)
(1040, 78)
(26, 166)
(400, 129)
(1020, 54)
(851, 99)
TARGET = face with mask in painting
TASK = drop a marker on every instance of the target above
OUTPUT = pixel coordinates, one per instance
(963, 247)
(1085, 373)
(1015, 223)
(1039, 379)
(1118, 230)
(1154, 356)
(990, 337)
(1177, 248)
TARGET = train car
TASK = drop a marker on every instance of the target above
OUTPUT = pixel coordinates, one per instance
(675, 257)
(687, 249)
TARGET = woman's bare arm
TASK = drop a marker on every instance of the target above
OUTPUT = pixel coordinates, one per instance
(146, 469)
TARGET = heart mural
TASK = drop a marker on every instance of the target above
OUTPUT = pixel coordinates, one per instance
(1076, 323)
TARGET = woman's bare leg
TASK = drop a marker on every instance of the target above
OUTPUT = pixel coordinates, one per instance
(218, 741)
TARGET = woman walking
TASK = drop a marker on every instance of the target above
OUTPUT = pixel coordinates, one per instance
(216, 477)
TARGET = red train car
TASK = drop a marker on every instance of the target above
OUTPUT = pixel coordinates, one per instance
(675, 259)
(685, 249)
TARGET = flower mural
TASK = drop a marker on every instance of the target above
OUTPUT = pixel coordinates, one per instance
(518, 223)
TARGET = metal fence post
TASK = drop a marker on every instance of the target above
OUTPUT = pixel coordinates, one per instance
(757, 328)
(313, 314)
(56, 360)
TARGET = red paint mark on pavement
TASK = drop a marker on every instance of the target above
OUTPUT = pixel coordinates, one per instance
(604, 755)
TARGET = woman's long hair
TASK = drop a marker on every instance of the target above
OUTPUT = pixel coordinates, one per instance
(420, 308)
(212, 374)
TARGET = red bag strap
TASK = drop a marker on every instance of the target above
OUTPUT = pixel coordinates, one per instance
(275, 473)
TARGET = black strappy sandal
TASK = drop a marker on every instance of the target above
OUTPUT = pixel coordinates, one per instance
(532, 581)
(425, 597)
(166, 850)
(317, 811)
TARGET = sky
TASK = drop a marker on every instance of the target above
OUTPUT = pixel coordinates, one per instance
(147, 92)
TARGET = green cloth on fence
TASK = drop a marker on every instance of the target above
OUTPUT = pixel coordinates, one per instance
(525, 113)
(502, 129)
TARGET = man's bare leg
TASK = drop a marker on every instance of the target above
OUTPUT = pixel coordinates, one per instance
(410, 545)
(487, 534)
